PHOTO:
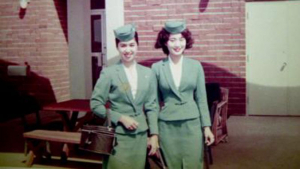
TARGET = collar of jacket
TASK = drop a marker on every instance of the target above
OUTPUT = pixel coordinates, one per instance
(168, 76)
(123, 78)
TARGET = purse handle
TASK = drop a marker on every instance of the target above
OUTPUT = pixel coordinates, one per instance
(108, 118)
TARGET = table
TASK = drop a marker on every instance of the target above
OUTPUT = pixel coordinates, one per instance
(69, 111)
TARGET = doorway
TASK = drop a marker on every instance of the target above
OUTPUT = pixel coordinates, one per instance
(97, 34)
(272, 39)
(91, 41)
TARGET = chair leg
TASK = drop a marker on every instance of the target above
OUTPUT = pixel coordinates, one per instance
(29, 158)
(36, 149)
(64, 154)
(48, 151)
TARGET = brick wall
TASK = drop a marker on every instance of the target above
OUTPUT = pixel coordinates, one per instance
(218, 28)
(38, 36)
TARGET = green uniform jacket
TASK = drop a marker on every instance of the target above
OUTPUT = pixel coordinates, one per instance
(114, 87)
(187, 102)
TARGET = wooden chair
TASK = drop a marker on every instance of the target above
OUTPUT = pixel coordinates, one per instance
(217, 98)
(219, 127)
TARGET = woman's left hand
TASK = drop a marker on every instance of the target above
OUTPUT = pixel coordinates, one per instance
(153, 144)
(209, 137)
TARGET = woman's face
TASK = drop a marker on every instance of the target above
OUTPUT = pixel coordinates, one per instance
(176, 44)
(128, 50)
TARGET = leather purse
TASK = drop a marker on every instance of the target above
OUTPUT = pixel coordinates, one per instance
(98, 139)
(156, 161)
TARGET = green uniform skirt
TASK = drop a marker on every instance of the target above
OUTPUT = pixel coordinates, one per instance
(129, 153)
(182, 143)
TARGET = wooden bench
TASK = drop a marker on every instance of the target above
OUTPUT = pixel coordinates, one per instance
(37, 142)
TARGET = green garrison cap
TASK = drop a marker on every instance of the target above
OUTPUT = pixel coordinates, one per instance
(174, 27)
(125, 33)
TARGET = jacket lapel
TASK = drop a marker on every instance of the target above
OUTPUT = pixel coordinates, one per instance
(184, 74)
(125, 83)
(140, 80)
(169, 77)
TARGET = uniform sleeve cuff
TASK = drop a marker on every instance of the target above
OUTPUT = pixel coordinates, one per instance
(115, 117)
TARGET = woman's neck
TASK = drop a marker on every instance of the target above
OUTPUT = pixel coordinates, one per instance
(175, 58)
(129, 64)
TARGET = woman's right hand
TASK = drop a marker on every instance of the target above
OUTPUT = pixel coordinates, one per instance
(129, 122)
(153, 145)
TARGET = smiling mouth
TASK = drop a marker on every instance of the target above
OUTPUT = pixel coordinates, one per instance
(128, 55)
(177, 49)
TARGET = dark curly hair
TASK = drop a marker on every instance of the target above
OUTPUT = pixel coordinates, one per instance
(163, 37)
(136, 37)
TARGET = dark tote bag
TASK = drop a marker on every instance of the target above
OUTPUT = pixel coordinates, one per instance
(156, 161)
(98, 139)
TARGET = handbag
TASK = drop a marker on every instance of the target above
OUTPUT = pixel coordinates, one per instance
(156, 161)
(98, 139)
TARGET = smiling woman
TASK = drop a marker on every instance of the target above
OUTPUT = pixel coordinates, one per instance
(181, 87)
(131, 90)
(127, 46)
(127, 51)
(164, 36)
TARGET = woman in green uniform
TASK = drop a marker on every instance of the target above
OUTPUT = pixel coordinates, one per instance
(130, 88)
(184, 116)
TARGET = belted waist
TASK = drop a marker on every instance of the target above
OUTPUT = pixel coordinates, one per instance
(179, 110)
(134, 115)
(129, 111)
(140, 118)
(180, 103)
